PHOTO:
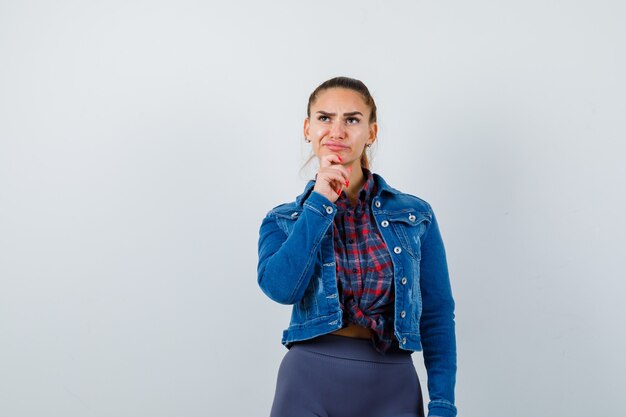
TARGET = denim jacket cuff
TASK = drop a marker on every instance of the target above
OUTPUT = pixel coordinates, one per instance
(441, 408)
(320, 204)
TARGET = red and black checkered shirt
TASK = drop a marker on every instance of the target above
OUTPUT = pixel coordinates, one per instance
(364, 266)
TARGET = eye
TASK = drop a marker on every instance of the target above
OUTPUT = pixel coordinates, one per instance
(353, 120)
(323, 118)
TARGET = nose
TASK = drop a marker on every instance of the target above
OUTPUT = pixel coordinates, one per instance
(337, 130)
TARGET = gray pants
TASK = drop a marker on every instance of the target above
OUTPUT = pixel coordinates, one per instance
(339, 376)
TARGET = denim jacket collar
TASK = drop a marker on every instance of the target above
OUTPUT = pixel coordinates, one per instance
(381, 186)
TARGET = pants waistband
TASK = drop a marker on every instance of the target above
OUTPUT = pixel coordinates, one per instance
(352, 348)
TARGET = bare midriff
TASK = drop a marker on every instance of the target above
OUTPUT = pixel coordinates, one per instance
(360, 332)
(354, 330)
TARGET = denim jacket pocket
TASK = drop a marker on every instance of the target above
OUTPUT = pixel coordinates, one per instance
(286, 219)
(409, 227)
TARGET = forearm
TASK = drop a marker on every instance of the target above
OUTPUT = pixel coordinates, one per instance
(439, 350)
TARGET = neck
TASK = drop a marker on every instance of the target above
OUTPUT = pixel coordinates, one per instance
(357, 179)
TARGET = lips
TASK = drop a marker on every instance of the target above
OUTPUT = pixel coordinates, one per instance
(335, 146)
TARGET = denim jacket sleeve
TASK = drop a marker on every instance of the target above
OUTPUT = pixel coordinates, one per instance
(286, 261)
(437, 324)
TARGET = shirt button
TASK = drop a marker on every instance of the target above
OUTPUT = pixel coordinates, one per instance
(397, 249)
(377, 203)
(412, 217)
(402, 313)
(329, 209)
(384, 223)
(354, 270)
(403, 280)
(350, 240)
(404, 340)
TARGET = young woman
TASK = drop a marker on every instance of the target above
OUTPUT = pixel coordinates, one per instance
(365, 268)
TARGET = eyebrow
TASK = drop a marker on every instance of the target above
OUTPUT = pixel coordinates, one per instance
(352, 113)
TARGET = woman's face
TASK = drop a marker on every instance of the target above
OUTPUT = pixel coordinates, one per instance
(339, 124)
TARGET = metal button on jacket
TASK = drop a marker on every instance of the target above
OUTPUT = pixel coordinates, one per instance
(402, 313)
(329, 209)
(397, 249)
(412, 217)
(377, 203)
(384, 223)
(403, 281)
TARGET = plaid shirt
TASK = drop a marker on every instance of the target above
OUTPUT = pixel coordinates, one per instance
(364, 267)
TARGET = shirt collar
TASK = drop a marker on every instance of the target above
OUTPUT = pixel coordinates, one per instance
(365, 193)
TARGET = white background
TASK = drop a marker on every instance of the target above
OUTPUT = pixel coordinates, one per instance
(142, 142)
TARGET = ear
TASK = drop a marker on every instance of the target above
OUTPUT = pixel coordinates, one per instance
(306, 127)
(373, 132)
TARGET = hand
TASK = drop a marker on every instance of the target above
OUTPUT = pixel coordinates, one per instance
(332, 177)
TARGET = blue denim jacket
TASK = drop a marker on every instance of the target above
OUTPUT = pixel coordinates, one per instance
(297, 266)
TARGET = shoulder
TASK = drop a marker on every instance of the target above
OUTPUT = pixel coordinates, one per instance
(280, 218)
(285, 210)
(399, 199)
(293, 208)
(412, 200)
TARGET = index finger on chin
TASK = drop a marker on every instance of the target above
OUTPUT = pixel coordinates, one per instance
(328, 160)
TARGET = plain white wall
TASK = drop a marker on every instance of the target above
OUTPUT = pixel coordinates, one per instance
(142, 142)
